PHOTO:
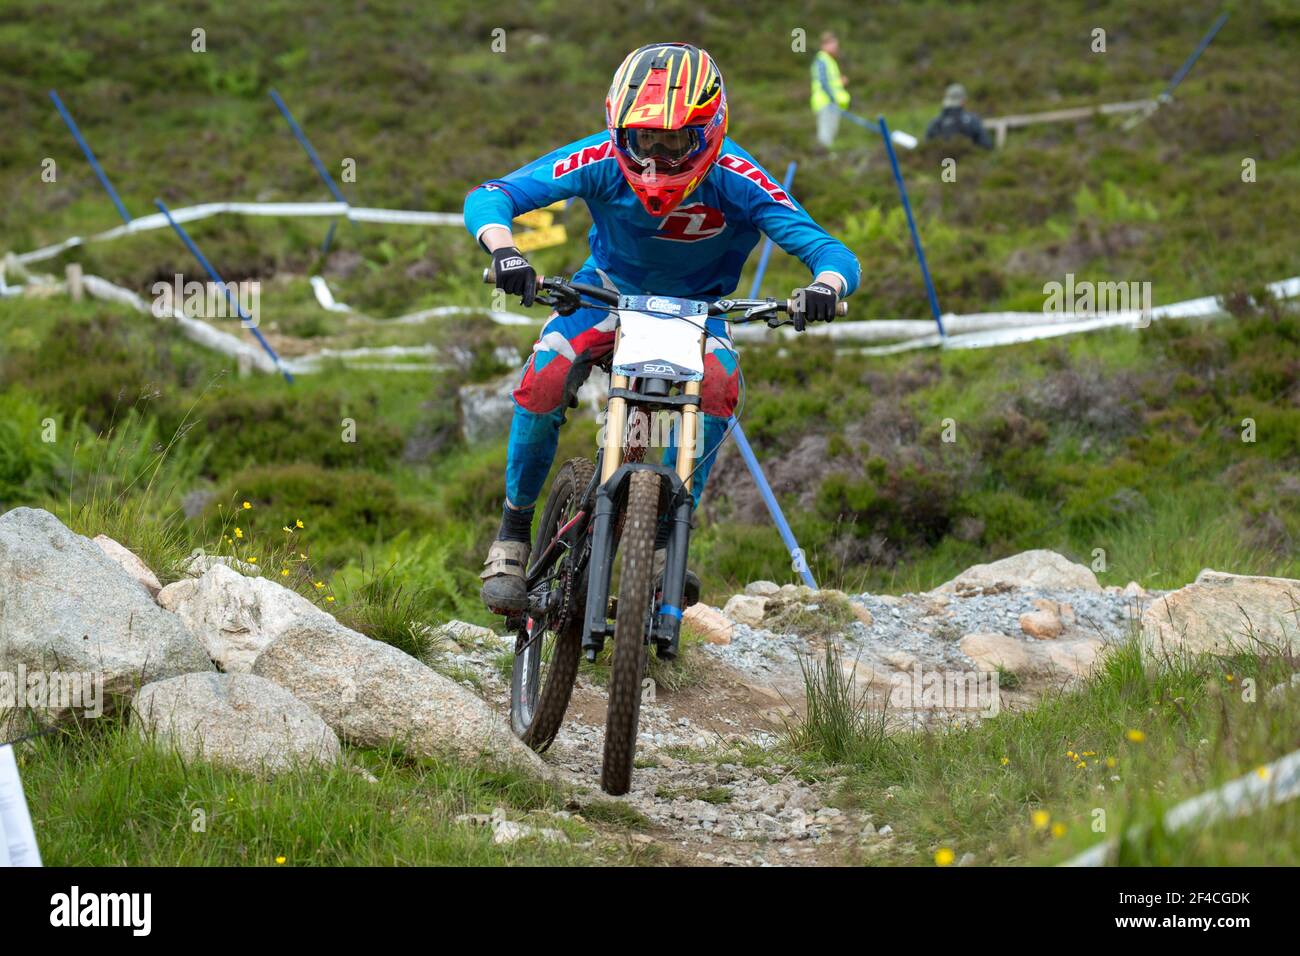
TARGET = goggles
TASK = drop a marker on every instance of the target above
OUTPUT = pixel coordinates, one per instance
(667, 147)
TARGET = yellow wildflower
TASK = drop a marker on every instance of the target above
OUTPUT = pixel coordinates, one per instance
(943, 857)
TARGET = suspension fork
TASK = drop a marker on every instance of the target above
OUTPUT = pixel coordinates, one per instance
(668, 616)
(613, 476)
(600, 567)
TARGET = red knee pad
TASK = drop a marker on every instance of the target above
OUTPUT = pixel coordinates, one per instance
(720, 389)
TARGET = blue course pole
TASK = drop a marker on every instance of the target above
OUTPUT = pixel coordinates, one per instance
(1196, 55)
(769, 499)
(212, 274)
(911, 224)
(90, 157)
(310, 150)
(747, 453)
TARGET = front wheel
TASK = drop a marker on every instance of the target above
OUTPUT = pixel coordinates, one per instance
(547, 649)
(635, 593)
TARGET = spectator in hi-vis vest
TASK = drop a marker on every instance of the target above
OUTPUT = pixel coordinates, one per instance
(829, 97)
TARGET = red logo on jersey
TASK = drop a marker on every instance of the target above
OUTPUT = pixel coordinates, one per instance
(582, 157)
(692, 223)
(743, 167)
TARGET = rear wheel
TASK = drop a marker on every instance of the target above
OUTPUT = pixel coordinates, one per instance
(547, 648)
(635, 593)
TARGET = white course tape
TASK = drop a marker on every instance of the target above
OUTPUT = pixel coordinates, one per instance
(984, 329)
(1270, 785)
(246, 353)
(193, 329)
(325, 297)
(327, 301)
(207, 210)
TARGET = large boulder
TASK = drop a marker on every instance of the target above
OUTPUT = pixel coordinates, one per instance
(372, 694)
(1067, 659)
(236, 720)
(129, 562)
(67, 610)
(486, 408)
(1040, 569)
(236, 616)
(1221, 613)
(746, 609)
(710, 623)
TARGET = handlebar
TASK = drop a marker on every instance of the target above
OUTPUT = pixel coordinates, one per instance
(562, 291)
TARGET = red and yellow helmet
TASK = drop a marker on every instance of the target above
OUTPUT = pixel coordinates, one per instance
(666, 112)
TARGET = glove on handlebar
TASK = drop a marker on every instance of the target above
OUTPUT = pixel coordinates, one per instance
(814, 303)
(515, 275)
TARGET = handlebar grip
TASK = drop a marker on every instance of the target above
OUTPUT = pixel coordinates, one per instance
(490, 277)
(841, 308)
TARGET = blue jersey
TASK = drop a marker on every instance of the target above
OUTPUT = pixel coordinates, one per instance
(696, 251)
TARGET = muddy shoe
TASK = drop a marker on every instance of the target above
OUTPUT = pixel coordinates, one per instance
(691, 593)
(503, 577)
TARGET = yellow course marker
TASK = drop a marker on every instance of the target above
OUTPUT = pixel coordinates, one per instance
(540, 238)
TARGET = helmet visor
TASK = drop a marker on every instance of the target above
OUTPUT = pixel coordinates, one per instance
(666, 147)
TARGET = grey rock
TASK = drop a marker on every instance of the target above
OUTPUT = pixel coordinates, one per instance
(373, 694)
(236, 720)
(129, 562)
(236, 616)
(486, 408)
(66, 607)
(1029, 569)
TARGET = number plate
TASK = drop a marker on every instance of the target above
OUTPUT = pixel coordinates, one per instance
(655, 343)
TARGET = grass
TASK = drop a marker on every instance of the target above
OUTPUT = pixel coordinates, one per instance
(106, 797)
(1040, 785)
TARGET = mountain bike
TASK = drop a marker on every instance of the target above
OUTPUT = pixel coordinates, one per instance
(618, 503)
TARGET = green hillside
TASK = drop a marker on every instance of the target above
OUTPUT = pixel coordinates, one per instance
(1146, 454)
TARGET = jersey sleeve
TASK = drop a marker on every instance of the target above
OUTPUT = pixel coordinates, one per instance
(785, 222)
(572, 170)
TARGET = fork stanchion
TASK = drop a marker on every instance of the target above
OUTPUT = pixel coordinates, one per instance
(800, 564)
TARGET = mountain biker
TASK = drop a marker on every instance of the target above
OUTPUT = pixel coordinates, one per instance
(676, 208)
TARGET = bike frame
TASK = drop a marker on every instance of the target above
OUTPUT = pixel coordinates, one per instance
(596, 522)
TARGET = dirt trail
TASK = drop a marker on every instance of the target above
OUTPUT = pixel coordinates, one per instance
(708, 785)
